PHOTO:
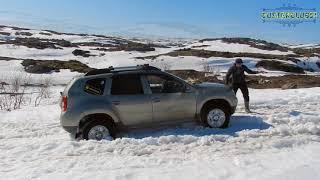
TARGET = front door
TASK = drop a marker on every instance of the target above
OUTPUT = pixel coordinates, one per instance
(170, 100)
(130, 102)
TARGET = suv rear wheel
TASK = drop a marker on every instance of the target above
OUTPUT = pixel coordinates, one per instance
(216, 116)
(98, 130)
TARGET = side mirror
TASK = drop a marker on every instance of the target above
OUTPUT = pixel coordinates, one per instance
(187, 89)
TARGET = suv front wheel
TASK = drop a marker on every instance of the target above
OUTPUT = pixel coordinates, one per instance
(216, 116)
(98, 130)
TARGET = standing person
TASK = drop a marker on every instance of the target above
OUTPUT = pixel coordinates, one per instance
(236, 79)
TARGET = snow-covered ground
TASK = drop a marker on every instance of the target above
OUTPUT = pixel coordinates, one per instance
(280, 141)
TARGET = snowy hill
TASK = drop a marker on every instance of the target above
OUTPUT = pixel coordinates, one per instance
(33, 51)
(102, 51)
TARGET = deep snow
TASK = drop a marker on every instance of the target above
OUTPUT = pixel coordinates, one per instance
(280, 141)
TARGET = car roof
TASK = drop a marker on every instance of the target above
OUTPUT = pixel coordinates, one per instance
(111, 69)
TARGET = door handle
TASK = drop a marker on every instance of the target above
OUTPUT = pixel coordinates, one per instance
(155, 100)
(115, 102)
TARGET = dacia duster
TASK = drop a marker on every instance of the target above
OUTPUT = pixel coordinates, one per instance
(104, 102)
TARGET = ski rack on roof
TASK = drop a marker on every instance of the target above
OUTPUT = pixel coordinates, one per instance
(111, 69)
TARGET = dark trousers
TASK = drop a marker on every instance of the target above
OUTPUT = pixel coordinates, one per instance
(244, 89)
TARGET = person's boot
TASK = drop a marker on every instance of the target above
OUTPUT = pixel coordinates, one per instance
(246, 106)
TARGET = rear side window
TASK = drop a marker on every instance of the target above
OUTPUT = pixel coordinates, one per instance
(126, 85)
(95, 86)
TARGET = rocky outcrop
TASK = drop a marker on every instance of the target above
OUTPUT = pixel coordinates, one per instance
(48, 66)
(133, 46)
(22, 33)
(5, 33)
(40, 43)
(46, 34)
(79, 52)
(127, 46)
(258, 82)
(308, 52)
(279, 66)
(256, 43)
(265, 45)
(207, 54)
(284, 82)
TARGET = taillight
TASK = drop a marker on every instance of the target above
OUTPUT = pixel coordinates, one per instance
(64, 103)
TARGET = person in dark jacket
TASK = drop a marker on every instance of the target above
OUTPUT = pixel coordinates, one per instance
(235, 78)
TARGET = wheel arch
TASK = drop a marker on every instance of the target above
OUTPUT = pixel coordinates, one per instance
(211, 102)
(95, 116)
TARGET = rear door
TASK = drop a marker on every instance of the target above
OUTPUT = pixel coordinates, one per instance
(129, 100)
(172, 100)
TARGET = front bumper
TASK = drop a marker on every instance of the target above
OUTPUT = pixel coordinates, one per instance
(70, 129)
(233, 109)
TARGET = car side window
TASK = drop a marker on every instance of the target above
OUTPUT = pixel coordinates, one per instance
(126, 85)
(164, 84)
(95, 86)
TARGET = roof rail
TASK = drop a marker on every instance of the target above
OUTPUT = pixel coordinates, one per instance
(99, 71)
(148, 67)
(121, 69)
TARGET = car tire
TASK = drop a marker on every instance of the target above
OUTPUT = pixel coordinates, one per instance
(216, 116)
(98, 130)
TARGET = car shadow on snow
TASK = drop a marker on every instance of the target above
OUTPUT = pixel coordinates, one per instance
(237, 123)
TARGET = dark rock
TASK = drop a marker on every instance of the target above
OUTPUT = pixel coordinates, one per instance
(318, 64)
(2, 58)
(207, 54)
(5, 33)
(39, 43)
(200, 46)
(258, 82)
(64, 43)
(39, 69)
(14, 28)
(46, 34)
(307, 52)
(295, 60)
(19, 28)
(79, 52)
(128, 46)
(279, 66)
(133, 46)
(256, 43)
(101, 49)
(23, 33)
(48, 66)
(33, 43)
(94, 44)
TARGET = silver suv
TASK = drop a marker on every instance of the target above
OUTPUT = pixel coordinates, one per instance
(104, 102)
